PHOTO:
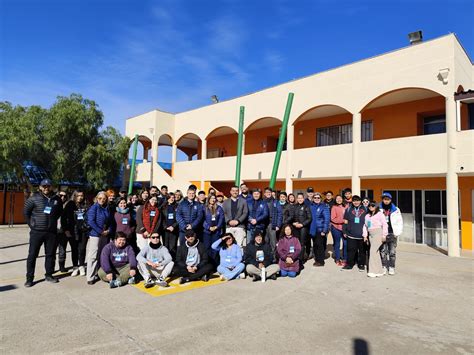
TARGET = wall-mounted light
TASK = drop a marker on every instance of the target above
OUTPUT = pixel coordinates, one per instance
(415, 37)
(443, 75)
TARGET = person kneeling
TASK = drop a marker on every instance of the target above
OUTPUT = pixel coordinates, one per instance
(230, 254)
(118, 263)
(259, 258)
(289, 249)
(192, 262)
(155, 262)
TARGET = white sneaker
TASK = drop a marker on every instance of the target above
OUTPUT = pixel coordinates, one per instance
(222, 278)
(242, 275)
(371, 274)
(75, 272)
(391, 271)
(82, 271)
(384, 270)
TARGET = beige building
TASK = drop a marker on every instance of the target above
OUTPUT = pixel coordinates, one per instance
(401, 122)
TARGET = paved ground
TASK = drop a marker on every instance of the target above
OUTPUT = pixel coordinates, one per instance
(426, 308)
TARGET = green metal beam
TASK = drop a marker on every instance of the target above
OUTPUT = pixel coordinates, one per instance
(239, 146)
(284, 126)
(132, 168)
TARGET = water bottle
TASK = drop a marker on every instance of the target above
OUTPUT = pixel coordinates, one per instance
(264, 274)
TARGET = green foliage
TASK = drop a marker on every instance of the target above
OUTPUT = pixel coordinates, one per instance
(65, 139)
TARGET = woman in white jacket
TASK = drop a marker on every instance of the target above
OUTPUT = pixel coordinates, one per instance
(394, 219)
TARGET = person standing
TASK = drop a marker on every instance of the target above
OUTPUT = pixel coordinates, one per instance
(76, 229)
(148, 221)
(170, 225)
(244, 192)
(258, 215)
(320, 220)
(347, 196)
(354, 219)
(375, 230)
(329, 200)
(42, 211)
(220, 199)
(235, 213)
(275, 220)
(189, 215)
(394, 219)
(125, 222)
(62, 239)
(212, 226)
(337, 221)
(301, 221)
(231, 265)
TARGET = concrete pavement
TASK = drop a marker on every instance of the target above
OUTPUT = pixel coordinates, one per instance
(426, 308)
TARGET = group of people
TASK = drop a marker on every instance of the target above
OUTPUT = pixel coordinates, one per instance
(158, 234)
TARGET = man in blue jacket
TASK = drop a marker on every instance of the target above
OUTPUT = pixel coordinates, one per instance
(258, 215)
(319, 228)
(275, 219)
(42, 211)
(189, 215)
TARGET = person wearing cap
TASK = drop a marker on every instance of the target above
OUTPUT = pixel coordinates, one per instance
(275, 218)
(192, 262)
(231, 265)
(258, 215)
(236, 213)
(309, 196)
(155, 263)
(259, 258)
(301, 221)
(42, 211)
(319, 228)
(353, 229)
(189, 215)
(394, 219)
(118, 264)
(375, 231)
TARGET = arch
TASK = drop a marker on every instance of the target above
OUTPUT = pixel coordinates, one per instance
(311, 127)
(164, 152)
(261, 136)
(165, 139)
(143, 149)
(222, 142)
(404, 112)
(188, 147)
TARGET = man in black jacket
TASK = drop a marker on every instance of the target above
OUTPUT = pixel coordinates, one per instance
(42, 211)
(301, 221)
(192, 262)
(259, 255)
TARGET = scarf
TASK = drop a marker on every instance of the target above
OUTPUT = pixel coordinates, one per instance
(147, 223)
(122, 211)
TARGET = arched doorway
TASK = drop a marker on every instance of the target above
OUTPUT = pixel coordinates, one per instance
(262, 135)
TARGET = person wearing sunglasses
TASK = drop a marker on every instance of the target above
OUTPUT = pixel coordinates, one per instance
(319, 228)
(375, 231)
(155, 262)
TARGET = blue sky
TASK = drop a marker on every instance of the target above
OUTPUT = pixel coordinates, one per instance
(134, 56)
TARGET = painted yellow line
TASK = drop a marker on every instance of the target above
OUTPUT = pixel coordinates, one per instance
(175, 287)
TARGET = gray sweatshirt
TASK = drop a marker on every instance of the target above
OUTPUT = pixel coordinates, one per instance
(159, 255)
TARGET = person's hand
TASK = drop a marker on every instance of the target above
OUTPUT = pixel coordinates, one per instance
(190, 268)
(261, 266)
(146, 234)
(253, 221)
(68, 234)
(233, 223)
(188, 227)
(365, 239)
(109, 277)
(289, 260)
(277, 229)
(132, 273)
(323, 234)
(170, 228)
(212, 229)
(344, 235)
(194, 269)
(231, 268)
(299, 225)
(295, 224)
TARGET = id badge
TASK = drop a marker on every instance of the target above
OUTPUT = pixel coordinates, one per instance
(170, 215)
(152, 213)
(191, 259)
(260, 255)
(228, 259)
(118, 258)
(80, 216)
(357, 220)
(369, 224)
(213, 218)
(47, 210)
(155, 260)
(292, 249)
(124, 220)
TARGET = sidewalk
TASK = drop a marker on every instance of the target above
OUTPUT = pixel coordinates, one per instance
(426, 308)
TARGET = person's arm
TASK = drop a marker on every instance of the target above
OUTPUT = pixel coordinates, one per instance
(220, 221)
(236, 255)
(384, 225)
(142, 255)
(205, 224)
(308, 218)
(105, 260)
(279, 220)
(139, 218)
(180, 218)
(28, 210)
(327, 219)
(365, 231)
(91, 219)
(282, 252)
(131, 258)
(166, 257)
(217, 244)
(198, 220)
(247, 256)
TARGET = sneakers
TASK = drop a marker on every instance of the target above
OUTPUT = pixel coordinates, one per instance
(115, 283)
(242, 276)
(29, 283)
(131, 280)
(361, 268)
(346, 268)
(183, 280)
(273, 277)
(256, 278)
(391, 271)
(205, 278)
(316, 264)
(75, 272)
(93, 281)
(51, 279)
(149, 283)
(343, 263)
(62, 266)
(82, 271)
(371, 274)
(384, 270)
(162, 283)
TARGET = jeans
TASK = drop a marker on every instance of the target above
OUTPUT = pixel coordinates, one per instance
(388, 251)
(336, 237)
(37, 239)
(231, 274)
(285, 273)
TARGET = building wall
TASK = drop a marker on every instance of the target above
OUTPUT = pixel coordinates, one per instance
(227, 142)
(257, 138)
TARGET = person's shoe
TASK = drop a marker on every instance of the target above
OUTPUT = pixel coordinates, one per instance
(162, 283)
(384, 270)
(183, 280)
(242, 275)
(29, 283)
(361, 268)
(131, 281)
(93, 281)
(149, 283)
(378, 275)
(273, 277)
(115, 283)
(316, 264)
(346, 268)
(343, 263)
(205, 278)
(82, 271)
(222, 278)
(256, 278)
(370, 274)
(75, 272)
(391, 271)
(51, 279)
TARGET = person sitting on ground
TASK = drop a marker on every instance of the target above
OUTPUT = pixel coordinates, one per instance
(118, 262)
(259, 259)
(192, 262)
(289, 252)
(155, 263)
(230, 254)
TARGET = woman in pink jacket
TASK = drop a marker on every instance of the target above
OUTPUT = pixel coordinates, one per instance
(337, 220)
(375, 230)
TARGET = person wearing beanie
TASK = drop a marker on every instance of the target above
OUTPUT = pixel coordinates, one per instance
(155, 263)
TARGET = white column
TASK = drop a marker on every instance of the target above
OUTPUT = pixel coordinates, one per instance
(452, 187)
(173, 158)
(203, 161)
(290, 138)
(356, 137)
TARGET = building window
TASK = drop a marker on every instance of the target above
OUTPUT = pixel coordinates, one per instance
(470, 111)
(342, 134)
(434, 124)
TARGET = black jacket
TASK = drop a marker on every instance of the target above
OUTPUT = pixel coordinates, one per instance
(182, 254)
(36, 212)
(302, 214)
(354, 227)
(167, 222)
(288, 213)
(250, 256)
(74, 218)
